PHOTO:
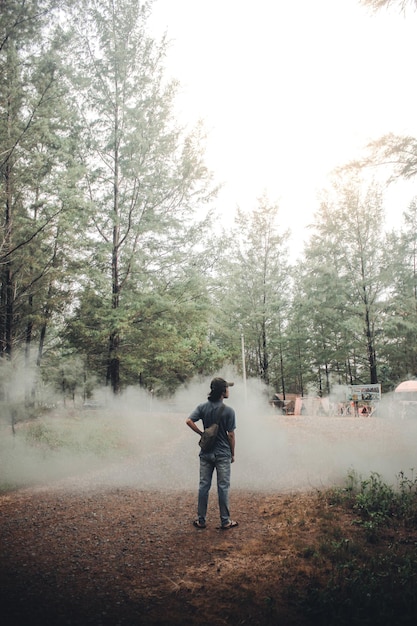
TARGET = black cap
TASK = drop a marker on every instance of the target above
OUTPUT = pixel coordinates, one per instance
(219, 385)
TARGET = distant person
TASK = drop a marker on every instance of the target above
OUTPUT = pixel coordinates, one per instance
(222, 455)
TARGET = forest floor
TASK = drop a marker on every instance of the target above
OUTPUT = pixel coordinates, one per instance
(134, 557)
(80, 552)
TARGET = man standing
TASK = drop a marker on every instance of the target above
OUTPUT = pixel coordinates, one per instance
(222, 454)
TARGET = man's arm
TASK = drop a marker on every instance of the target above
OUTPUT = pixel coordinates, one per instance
(193, 426)
(232, 439)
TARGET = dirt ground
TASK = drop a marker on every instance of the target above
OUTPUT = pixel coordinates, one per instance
(133, 557)
(81, 552)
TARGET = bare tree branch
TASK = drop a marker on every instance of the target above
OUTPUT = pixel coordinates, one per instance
(376, 5)
(4, 257)
(395, 151)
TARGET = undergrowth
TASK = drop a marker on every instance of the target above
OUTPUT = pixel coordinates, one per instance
(372, 572)
(47, 449)
(352, 561)
(379, 505)
(98, 438)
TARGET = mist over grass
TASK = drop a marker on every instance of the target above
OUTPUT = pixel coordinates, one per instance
(140, 441)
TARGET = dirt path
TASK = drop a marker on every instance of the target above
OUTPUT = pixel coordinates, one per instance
(111, 548)
(133, 557)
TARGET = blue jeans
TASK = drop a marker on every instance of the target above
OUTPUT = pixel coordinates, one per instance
(209, 462)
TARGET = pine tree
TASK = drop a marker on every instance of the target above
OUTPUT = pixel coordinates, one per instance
(344, 283)
(257, 279)
(400, 319)
(37, 187)
(145, 177)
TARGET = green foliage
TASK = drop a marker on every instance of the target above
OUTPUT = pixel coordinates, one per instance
(100, 438)
(39, 199)
(398, 350)
(373, 498)
(69, 376)
(103, 259)
(145, 179)
(378, 504)
(368, 585)
(341, 286)
(366, 591)
(163, 335)
(255, 303)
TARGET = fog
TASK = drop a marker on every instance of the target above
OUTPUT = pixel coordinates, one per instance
(138, 441)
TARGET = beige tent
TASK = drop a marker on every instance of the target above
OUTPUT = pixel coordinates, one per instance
(406, 394)
(408, 386)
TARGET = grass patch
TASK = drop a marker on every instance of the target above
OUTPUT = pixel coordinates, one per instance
(342, 556)
(97, 437)
(368, 568)
(46, 449)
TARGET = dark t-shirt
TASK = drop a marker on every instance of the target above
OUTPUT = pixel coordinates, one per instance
(207, 412)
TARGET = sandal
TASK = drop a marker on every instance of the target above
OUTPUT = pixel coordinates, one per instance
(229, 525)
(198, 524)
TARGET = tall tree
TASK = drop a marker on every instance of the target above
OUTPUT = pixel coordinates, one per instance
(145, 176)
(363, 234)
(17, 24)
(36, 128)
(399, 350)
(257, 279)
(298, 367)
(319, 308)
(344, 283)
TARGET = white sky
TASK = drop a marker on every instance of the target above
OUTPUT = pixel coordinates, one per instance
(288, 90)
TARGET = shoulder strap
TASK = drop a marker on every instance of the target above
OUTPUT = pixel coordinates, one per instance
(219, 413)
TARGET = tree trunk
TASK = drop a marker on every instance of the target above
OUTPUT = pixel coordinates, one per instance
(113, 369)
(300, 365)
(281, 365)
(7, 286)
(8, 290)
(320, 384)
(264, 358)
(327, 378)
(29, 389)
(371, 350)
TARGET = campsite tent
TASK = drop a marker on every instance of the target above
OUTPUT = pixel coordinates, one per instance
(408, 386)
